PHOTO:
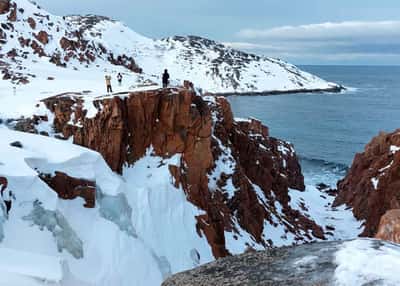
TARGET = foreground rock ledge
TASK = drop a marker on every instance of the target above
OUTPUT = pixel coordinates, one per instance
(317, 264)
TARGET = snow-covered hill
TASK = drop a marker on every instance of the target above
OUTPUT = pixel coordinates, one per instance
(37, 48)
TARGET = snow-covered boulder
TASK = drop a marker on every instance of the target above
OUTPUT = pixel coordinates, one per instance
(356, 263)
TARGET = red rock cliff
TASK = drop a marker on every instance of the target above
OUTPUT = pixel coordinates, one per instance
(372, 185)
(234, 171)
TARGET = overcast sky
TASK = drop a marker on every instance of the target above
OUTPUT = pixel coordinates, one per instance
(300, 31)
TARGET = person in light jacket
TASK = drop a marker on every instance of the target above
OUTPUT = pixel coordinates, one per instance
(108, 83)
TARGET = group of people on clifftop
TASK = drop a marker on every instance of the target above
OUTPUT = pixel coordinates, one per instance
(165, 80)
(7, 196)
(108, 82)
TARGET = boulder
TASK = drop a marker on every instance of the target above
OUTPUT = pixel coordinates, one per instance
(32, 23)
(12, 17)
(69, 188)
(42, 37)
(318, 264)
(389, 226)
(16, 144)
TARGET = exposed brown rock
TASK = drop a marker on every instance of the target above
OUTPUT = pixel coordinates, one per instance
(37, 49)
(4, 6)
(67, 44)
(123, 60)
(69, 188)
(377, 166)
(13, 12)
(389, 227)
(42, 37)
(32, 23)
(24, 42)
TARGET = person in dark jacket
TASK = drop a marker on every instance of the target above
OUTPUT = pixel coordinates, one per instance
(165, 79)
(119, 78)
(8, 197)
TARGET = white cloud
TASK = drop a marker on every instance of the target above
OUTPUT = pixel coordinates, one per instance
(326, 31)
(342, 42)
(250, 46)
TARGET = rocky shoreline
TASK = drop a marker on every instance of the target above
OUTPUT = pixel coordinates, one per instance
(333, 89)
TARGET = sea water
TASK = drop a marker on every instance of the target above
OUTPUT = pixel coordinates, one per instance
(328, 129)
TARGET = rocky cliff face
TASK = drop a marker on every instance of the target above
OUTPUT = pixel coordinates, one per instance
(372, 185)
(232, 170)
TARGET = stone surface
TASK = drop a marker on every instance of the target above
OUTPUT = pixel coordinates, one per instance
(69, 188)
(42, 37)
(4, 6)
(372, 185)
(389, 227)
(32, 23)
(16, 144)
(306, 265)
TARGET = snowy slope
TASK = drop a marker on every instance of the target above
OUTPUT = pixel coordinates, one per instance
(117, 243)
(77, 51)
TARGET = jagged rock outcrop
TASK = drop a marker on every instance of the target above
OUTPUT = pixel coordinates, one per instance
(232, 170)
(372, 185)
(389, 226)
(69, 188)
(316, 264)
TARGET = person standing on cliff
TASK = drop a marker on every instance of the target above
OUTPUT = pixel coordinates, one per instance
(8, 196)
(119, 78)
(165, 79)
(108, 83)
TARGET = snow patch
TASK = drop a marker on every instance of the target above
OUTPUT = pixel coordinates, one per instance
(362, 262)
